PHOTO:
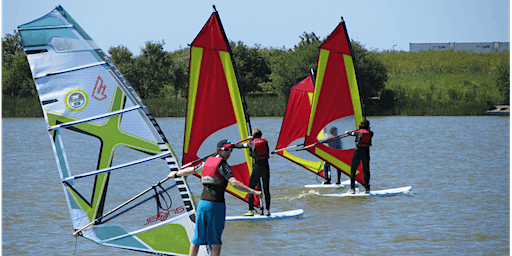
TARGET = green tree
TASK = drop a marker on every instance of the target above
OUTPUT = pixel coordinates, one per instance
(16, 75)
(252, 68)
(502, 79)
(120, 55)
(179, 72)
(290, 67)
(122, 58)
(151, 72)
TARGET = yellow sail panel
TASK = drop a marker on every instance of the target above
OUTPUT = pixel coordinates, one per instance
(354, 89)
(195, 68)
(316, 166)
(294, 127)
(322, 64)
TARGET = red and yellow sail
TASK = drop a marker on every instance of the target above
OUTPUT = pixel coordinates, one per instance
(215, 110)
(336, 101)
(293, 129)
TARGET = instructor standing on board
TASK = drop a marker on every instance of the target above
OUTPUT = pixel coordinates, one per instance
(361, 154)
(258, 149)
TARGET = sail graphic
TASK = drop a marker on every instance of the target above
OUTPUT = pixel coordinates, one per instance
(110, 151)
(215, 109)
(293, 128)
(336, 102)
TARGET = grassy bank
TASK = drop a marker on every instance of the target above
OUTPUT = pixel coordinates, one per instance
(429, 83)
(443, 82)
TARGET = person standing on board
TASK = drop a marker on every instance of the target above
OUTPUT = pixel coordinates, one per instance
(361, 154)
(335, 143)
(211, 210)
(258, 149)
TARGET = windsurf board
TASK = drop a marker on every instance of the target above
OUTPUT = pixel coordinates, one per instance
(382, 193)
(273, 216)
(341, 185)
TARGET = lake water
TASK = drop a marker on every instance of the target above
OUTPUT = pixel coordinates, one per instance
(459, 168)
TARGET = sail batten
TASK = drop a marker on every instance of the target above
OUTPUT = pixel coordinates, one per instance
(113, 168)
(107, 145)
(44, 27)
(39, 76)
(87, 120)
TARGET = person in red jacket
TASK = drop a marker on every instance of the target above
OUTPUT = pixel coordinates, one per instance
(211, 210)
(361, 154)
(336, 143)
(259, 150)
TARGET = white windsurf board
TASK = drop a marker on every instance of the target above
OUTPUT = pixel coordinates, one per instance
(332, 185)
(273, 216)
(382, 193)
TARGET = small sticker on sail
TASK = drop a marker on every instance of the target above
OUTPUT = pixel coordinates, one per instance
(76, 100)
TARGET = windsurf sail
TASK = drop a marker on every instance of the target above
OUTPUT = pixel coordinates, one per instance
(215, 109)
(293, 128)
(336, 103)
(109, 149)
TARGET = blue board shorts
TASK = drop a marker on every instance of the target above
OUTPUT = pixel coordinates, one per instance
(210, 221)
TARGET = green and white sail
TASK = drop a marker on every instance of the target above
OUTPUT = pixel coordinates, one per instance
(111, 154)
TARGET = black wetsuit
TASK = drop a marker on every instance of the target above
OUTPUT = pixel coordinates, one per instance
(361, 155)
(261, 170)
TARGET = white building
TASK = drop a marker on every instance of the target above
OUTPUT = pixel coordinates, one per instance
(475, 47)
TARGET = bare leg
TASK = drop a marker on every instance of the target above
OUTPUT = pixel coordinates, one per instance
(216, 249)
(194, 248)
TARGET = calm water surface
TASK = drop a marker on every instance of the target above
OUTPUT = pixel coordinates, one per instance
(459, 168)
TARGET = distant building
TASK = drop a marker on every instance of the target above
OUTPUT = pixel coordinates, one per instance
(475, 47)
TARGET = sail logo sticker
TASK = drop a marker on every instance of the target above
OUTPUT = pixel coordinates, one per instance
(99, 90)
(161, 216)
(76, 100)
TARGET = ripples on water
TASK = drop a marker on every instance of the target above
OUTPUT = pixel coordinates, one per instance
(458, 167)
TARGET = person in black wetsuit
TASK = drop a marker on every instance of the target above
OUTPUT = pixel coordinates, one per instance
(259, 150)
(361, 154)
(336, 144)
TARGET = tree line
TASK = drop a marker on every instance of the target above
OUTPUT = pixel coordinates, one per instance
(156, 73)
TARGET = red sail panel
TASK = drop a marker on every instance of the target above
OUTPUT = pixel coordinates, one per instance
(336, 104)
(215, 111)
(293, 128)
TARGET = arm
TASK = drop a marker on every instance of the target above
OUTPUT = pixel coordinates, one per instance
(243, 145)
(240, 186)
(351, 133)
(183, 172)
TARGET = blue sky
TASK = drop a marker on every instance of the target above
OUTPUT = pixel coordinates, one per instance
(378, 25)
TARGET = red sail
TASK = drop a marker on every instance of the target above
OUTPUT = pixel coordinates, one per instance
(293, 129)
(215, 110)
(336, 104)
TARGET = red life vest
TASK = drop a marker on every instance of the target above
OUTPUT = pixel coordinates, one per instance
(210, 174)
(365, 140)
(260, 145)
